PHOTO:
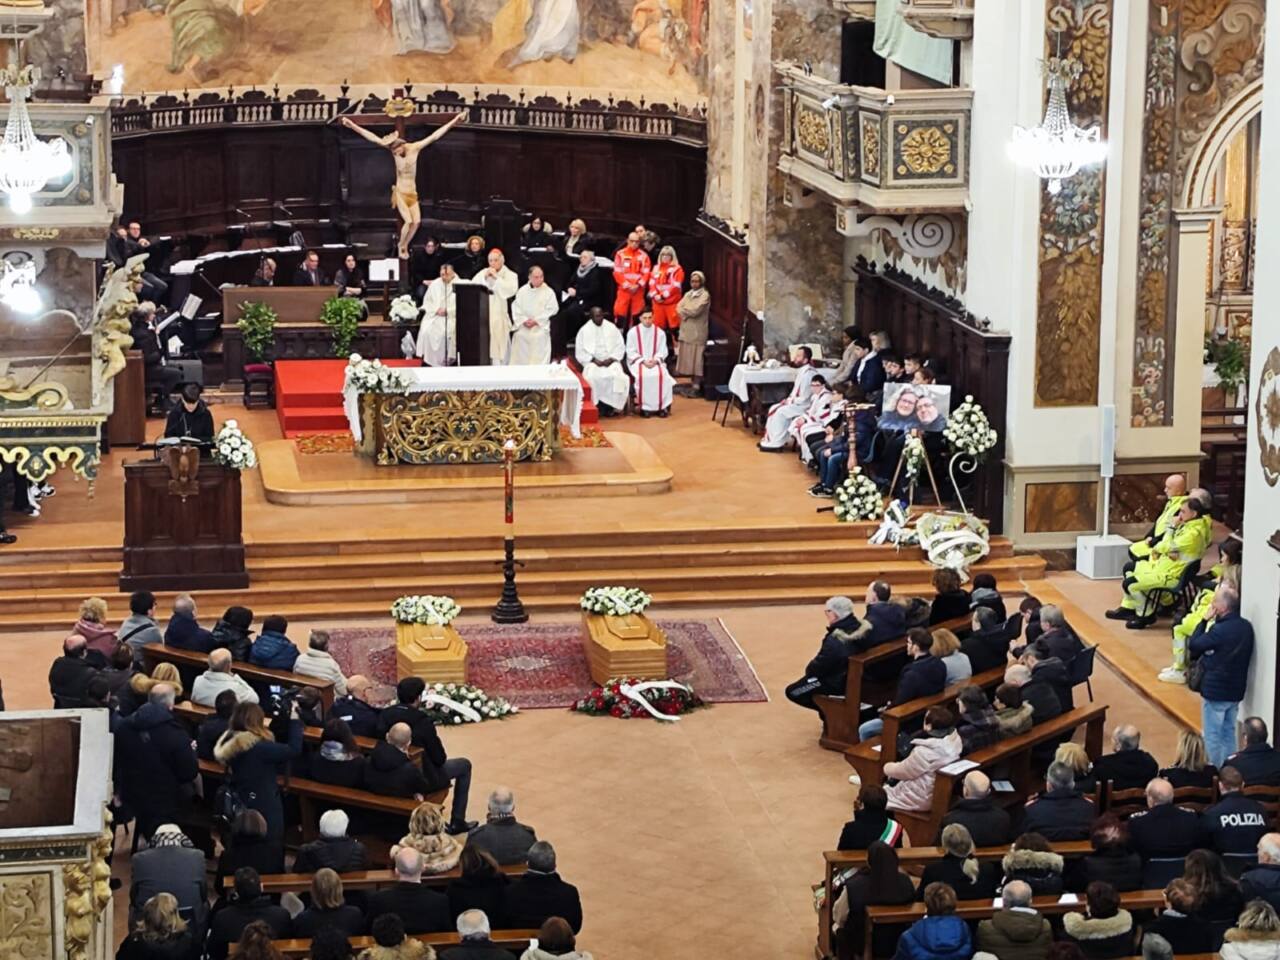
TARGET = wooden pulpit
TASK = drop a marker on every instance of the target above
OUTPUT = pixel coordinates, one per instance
(473, 324)
(182, 525)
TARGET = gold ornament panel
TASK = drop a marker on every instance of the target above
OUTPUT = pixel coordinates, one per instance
(870, 147)
(26, 916)
(813, 132)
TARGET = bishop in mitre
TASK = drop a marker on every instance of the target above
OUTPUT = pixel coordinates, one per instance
(531, 314)
(600, 351)
(438, 331)
(647, 361)
(502, 284)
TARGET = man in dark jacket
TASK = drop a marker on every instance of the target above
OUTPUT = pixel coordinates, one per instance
(1235, 824)
(70, 674)
(474, 941)
(1061, 812)
(887, 620)
(987, 645)
(1058, 637)
(1038, 694)
(422, 909)
(826, 673)
(210, 730)
(439, 768)
(1016, 931)
(1051, 671)
(1224, 640)
(1128, 767)
(334, 849)
(184, 632)
(540, 894)
(273, 649)
(392, 772)
(1263, 881)
(360, 716)
(155, 765)
(502, 835)
(1258, 762)
(249, 905)
(1163, 835)
(988, 824)
(923, 676)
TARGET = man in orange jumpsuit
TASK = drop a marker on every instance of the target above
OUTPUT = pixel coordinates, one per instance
(631, 274)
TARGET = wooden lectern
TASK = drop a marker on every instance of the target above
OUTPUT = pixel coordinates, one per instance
(182, 529)
(472, 301)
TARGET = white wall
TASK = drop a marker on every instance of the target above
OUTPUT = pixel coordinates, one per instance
(1261, 575)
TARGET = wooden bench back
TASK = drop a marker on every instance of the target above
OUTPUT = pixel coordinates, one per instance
(195, 714)
(276, 883)
(516, 941)
(188, 661)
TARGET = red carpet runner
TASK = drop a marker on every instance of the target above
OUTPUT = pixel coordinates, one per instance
(309, 396)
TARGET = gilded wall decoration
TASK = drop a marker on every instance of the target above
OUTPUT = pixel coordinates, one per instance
(26, 929)
(870, 125)
(1267, 417)
(1200, 53)
(813, 132)
(86, 893)
(926, 150)
(1070, 256)
(1233, 257)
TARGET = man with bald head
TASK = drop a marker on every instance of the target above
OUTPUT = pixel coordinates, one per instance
(390, 770)
(1163, 835)
(354, 707)
(70, 674)
(1016, 931)
(1175, 491)
(218, 678)
(421, 909)
(1129, 767)
(502, 834)
(976, 811)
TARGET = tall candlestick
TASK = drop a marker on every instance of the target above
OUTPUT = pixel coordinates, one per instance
(509, 608)
(509, 471)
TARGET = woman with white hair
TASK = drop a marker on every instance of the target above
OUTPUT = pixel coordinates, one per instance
(665, 287)
(970, 878)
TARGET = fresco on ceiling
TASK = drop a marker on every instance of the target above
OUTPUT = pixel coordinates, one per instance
(655, 46)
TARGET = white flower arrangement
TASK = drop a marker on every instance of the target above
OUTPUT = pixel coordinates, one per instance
(913, 454)
(441, 701)
(858, 498)
(615, 601)
(403, 309)
(233, 449)
(968, 430)
(425, 608)
(371, 376)
(954, 540)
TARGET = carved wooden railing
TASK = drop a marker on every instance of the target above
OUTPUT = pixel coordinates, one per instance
(948, 19)
(142, 115)
(892, 152)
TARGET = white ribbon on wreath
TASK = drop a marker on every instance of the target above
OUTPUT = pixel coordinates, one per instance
(893, 526)
(634, 692)
(942, 550)
(435, 699)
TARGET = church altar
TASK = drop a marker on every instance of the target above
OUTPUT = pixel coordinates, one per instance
(466, 414)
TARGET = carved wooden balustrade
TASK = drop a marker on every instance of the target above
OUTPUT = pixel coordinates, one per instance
(887, 152)
(947, 19)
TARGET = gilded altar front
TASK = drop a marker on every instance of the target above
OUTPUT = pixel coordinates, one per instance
(464, 426)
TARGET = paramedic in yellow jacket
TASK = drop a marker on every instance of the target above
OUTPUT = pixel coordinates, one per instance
(1175, 492)
(1182, 544)
(1226, 570)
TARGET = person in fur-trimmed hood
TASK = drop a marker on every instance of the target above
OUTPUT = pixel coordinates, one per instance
(255, 761)
(440, 851)
(1256, 935)
(1105, 930)
(1032, 861)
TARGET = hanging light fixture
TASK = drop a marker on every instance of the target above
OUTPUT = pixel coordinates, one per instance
(27, 163)
(1056, 148)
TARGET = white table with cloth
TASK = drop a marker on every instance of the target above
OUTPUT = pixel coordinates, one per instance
(745, 382)
(466, 414)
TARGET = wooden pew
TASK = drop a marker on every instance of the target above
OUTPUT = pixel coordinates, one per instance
(841, 715)
(869, 757)
(517, 941)
(975, 910)
(191, 663)
(276, 883)
(836, 862)
(195, 714)
(1014, 754)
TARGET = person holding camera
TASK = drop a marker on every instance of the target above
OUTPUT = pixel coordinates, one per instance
(254, 759)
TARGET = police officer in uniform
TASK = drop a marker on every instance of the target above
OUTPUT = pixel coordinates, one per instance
(1163, 834)
(1235, 824)
(1258, 762)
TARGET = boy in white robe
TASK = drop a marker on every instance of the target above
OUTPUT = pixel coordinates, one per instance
(600, 351)
(647, 361)
(784, 411)
(438, 331)
(531, 314)
(502, 284)
(821, 411)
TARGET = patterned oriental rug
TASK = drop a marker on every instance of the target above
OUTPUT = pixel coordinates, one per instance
(543, 666)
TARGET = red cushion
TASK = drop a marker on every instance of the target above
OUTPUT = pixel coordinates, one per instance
(261, 369)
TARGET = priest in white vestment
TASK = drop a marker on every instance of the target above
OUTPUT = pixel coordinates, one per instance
(784, 411)
(647, 361)
(438, 331)
(502, 284)
(600, 351)
(531, 313)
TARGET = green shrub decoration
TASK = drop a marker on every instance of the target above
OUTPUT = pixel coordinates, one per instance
(1230, 362)
(257, 324)
(342, 315)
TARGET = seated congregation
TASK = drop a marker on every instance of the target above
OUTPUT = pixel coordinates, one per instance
(278, 812)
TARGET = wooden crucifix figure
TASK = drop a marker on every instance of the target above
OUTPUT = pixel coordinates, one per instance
(404, 195)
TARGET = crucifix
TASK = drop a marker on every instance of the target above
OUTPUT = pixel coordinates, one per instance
(404, 195)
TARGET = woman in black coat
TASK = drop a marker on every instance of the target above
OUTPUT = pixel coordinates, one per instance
(339, 761)
(254, 762)
(328, 909)
(249, 846)
(870, 821)
(879, 882)
(1191, 766)
(233, 632)
(951, 600)
(959, 869)
(1218, 897)
(482, 885)
(161, 934)
(1033, 861)
(1113, 860)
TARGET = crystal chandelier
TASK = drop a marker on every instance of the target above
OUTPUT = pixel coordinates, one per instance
(26, 162)
(1056, 149)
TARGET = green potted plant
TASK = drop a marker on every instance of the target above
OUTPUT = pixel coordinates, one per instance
(257, 325)
(342, 315)
(1230, 364)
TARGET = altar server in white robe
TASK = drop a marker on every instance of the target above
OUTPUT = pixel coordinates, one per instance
(502, 284)
(531, 314)
(647, 361)
(600, 351)
(784, 411)
(821, 411)
(438, 332)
